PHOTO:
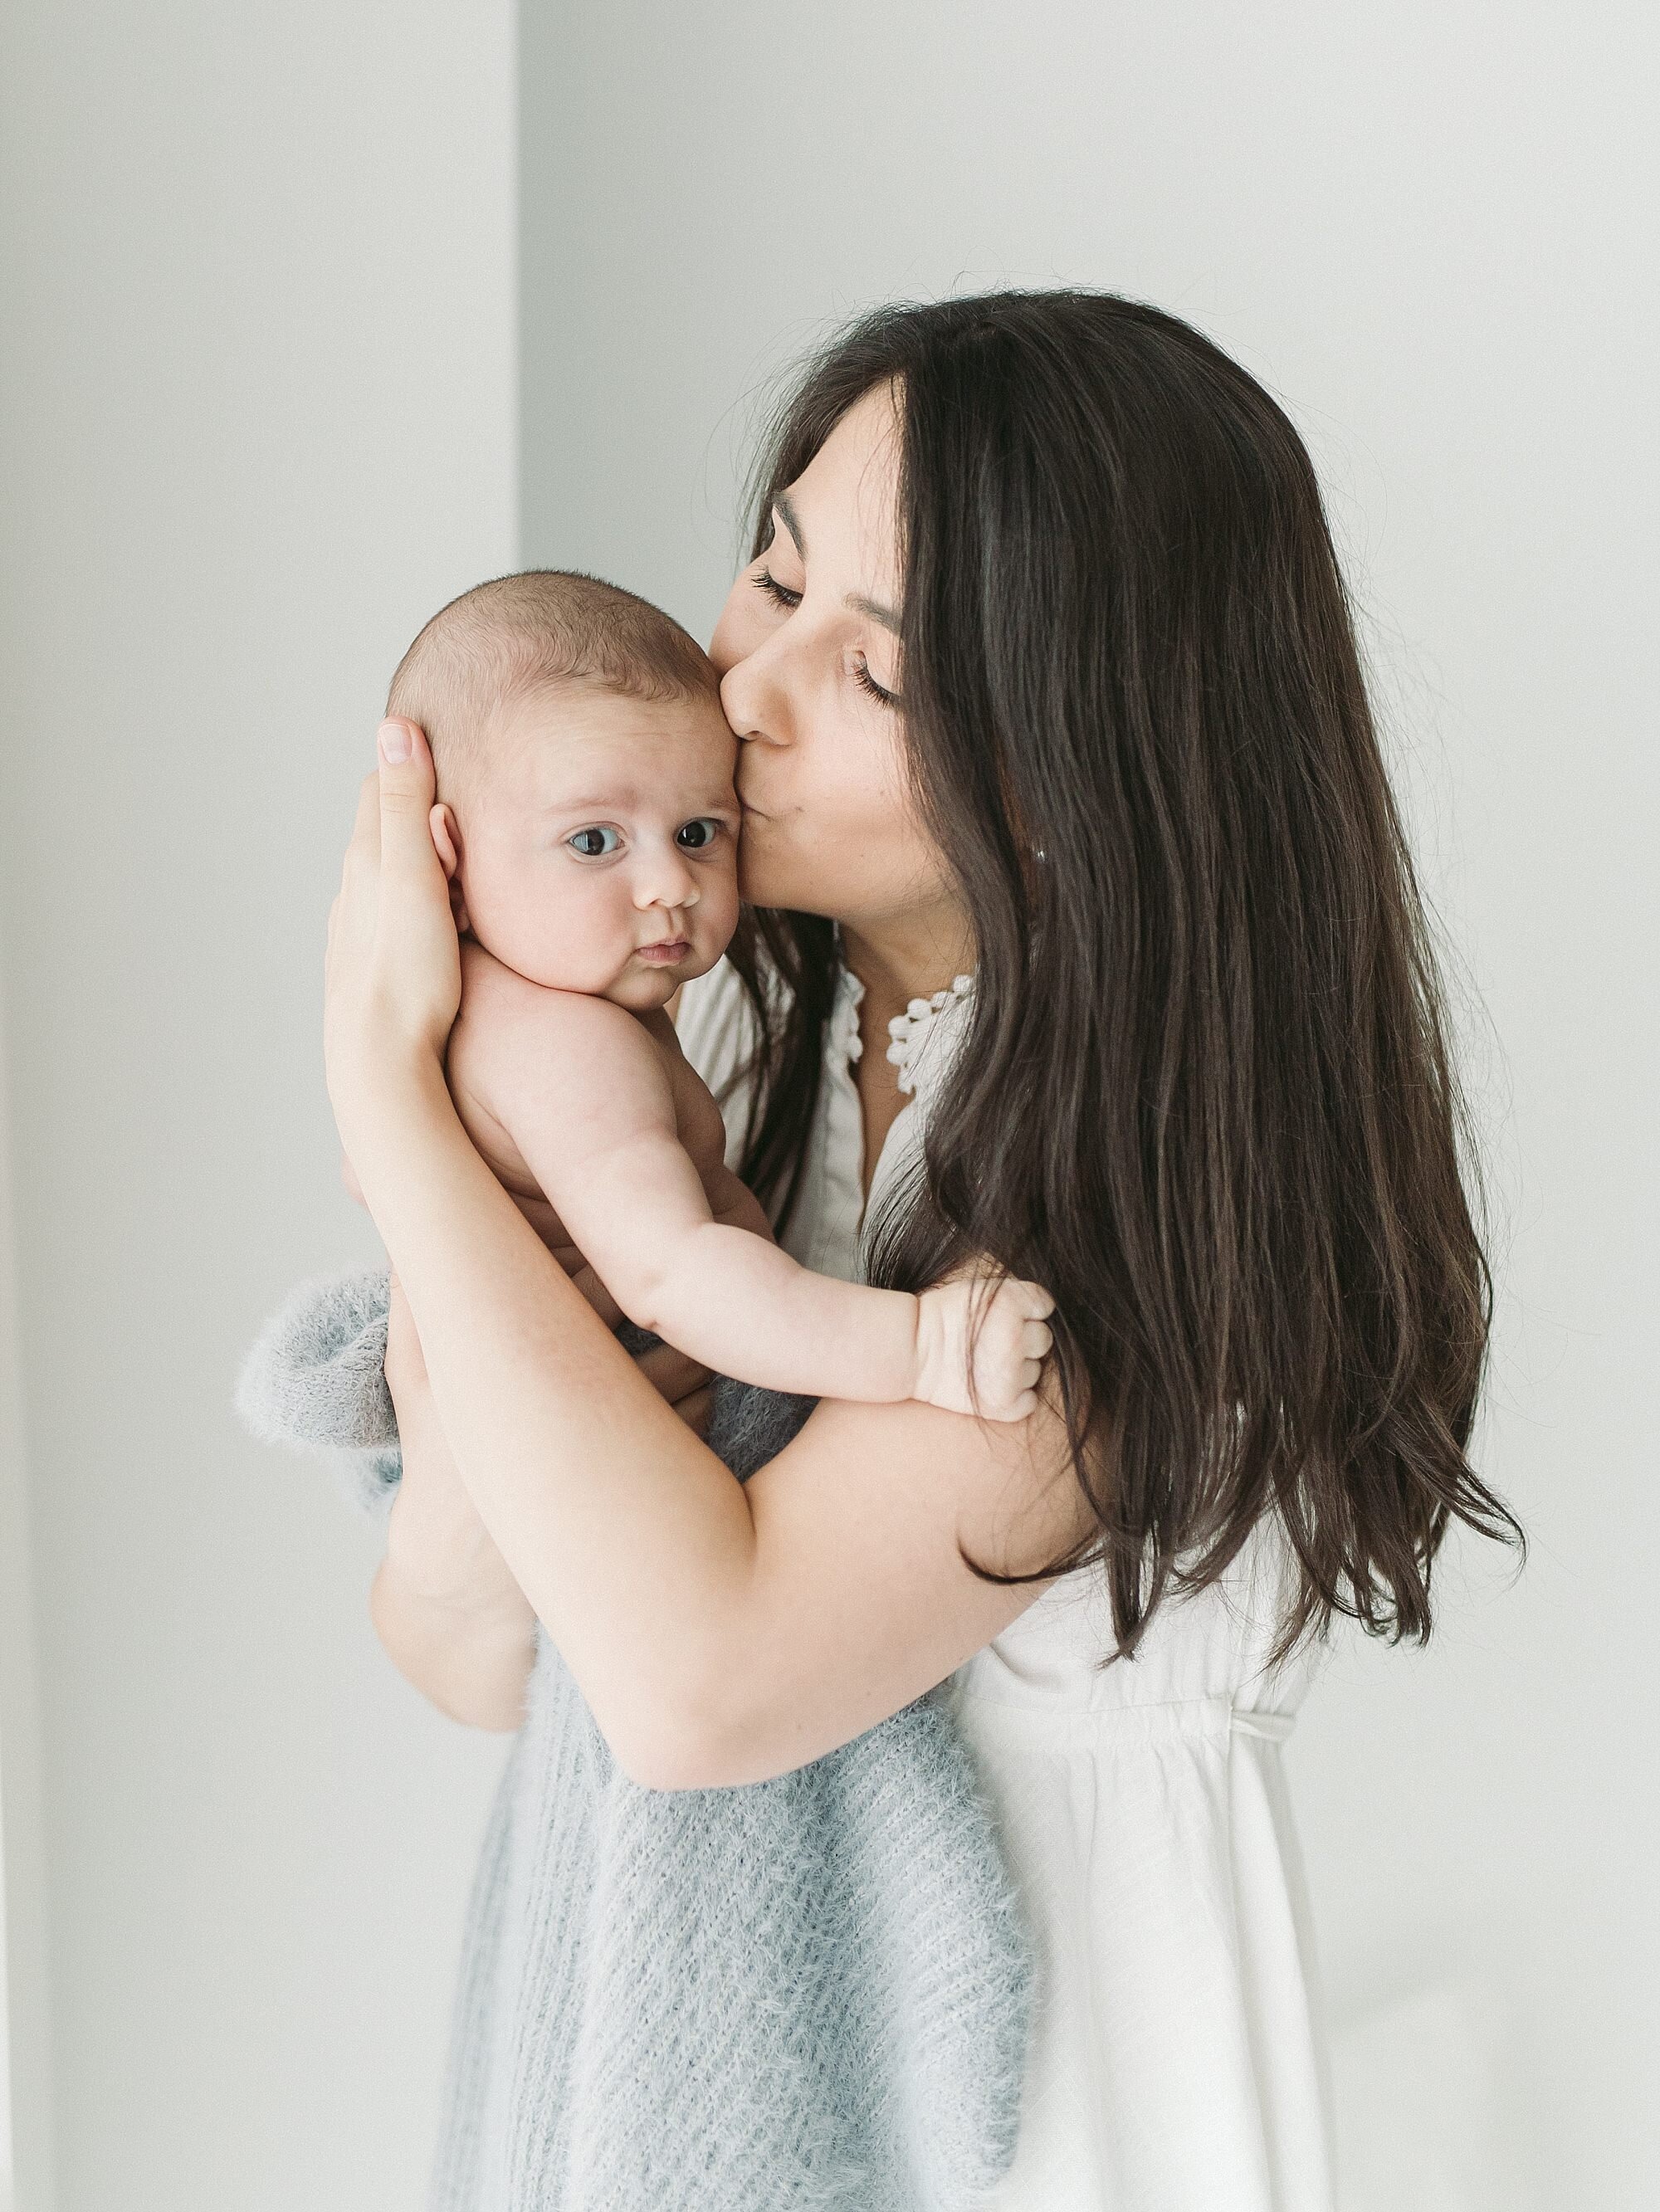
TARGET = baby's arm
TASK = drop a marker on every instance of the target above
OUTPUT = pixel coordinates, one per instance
(589, 1104)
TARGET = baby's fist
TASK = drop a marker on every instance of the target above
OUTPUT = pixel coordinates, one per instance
(1014, 1340)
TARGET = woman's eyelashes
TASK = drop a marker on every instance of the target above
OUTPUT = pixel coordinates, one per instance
(867, 682)
(782, 596)
(779, 594)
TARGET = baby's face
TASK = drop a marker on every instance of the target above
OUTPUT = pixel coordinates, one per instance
(601, 826)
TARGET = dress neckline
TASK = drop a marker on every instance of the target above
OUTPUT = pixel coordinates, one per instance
(907, 1033)
(910, 1030)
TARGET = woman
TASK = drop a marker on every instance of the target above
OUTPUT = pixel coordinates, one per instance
(1060, 784)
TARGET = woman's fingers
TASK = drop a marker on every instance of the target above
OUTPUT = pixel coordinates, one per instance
(363, 847)
(696, 1410)
(415, 893)
(366, 831)
(352, 913)
(392, 967)
(670, 1371)
(680, 1381)
(406, 783)
(538, 1212)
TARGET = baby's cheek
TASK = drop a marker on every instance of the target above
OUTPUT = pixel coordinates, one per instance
(556, 927)
(590, 926)
(723, 918)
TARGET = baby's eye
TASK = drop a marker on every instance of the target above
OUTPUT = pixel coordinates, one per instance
(589, 852)
(707, 824)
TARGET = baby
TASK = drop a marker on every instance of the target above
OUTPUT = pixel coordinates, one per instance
(587, 820)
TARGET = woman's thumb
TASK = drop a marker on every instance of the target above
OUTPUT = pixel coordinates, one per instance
(406, 774)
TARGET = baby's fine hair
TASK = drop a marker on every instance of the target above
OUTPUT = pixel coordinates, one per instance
(541, 627)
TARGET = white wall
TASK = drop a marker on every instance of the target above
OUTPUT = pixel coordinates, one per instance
(25, 2079)
(259, 365)
(1429, 229)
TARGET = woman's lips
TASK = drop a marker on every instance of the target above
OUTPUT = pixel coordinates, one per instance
(663, 956)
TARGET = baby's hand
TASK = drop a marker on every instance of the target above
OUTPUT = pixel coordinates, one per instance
(1013, 1341)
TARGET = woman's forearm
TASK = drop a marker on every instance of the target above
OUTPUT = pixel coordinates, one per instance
(629, 1539)
(444, 1603)
(436, 1538)
(440, 1548)
(471, 1662)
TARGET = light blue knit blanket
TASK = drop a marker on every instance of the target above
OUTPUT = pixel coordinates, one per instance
(807, 1993)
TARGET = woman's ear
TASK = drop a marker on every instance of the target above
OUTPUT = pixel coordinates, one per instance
(446, 842)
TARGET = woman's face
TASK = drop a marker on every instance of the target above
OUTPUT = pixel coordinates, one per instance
(808, 652)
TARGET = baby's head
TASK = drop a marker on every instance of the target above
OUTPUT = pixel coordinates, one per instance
(577, 738)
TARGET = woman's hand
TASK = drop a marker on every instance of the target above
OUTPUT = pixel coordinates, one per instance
(393, 969)
(685, 1385)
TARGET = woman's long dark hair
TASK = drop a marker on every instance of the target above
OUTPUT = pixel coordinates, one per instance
(1205, 1097)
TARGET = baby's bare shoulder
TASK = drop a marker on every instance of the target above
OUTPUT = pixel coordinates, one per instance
(515, 1041)
(698, 1119)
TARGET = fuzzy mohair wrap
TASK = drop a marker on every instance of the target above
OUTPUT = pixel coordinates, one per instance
(811, 1994)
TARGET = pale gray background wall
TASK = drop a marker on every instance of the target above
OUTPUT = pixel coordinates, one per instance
(1429, 228)
(259, 422)
(259, 365)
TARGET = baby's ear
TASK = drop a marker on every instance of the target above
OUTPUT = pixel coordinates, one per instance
(447, 845)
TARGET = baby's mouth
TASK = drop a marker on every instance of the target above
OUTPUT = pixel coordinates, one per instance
(664, 951)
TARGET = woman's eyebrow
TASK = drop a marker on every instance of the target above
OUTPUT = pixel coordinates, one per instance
(874, 609)
(791, 522)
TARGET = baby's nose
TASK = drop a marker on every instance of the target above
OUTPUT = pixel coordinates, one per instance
(669, 883)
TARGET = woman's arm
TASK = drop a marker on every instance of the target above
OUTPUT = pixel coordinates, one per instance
(443, 1602)
(629, 1537)
(714, 1654)
(696, 1644)
(474, 1667)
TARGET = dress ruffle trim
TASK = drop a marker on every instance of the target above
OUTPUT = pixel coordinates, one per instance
(910, 1030)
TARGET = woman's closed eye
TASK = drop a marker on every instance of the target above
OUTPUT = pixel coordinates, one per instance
(782, 596)
(867, 682)
(779, 594)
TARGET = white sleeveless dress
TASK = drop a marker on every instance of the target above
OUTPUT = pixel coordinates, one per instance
(1177, 2063)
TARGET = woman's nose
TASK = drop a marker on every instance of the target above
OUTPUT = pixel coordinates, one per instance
(754, 698)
